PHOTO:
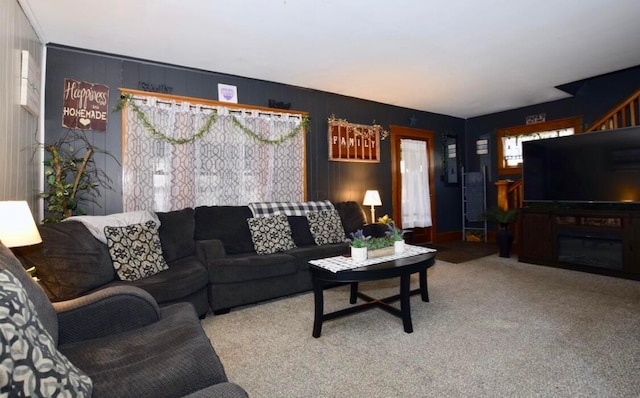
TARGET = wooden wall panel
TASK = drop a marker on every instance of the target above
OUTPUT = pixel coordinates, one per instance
(20, 161)
(325, 179)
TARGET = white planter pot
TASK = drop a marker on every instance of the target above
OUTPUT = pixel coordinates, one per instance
(358, 254)
(398, 246)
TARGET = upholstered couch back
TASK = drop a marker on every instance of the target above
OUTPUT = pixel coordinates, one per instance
(71, 262)
(229, 225)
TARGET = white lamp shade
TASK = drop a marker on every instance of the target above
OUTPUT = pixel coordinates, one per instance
(17, 227)
(372, 198)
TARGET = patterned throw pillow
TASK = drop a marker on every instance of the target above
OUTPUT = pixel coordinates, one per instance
(135, 250)
(30, 364)
(271, 234)
(326, 227)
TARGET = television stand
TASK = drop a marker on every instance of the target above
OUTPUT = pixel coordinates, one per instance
(597, 238)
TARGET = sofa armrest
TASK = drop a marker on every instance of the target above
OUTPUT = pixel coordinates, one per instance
(111, 310)
(221, 390)
(209, 250)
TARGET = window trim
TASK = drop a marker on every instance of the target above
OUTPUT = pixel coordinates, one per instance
(575, 122)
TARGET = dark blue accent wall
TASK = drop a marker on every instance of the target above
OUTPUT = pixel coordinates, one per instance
(336, 181)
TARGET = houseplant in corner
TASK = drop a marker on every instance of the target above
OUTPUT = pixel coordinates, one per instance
(358, 245)
(72, 176)
(503, 218)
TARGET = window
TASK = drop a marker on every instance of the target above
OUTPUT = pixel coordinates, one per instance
(509, 140)
(245, 155)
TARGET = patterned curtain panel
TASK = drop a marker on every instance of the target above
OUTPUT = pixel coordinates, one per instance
(227, 166)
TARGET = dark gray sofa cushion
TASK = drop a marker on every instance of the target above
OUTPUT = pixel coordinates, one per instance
(177, 229)
(184, 276)
(144, 362)
(351, 215)
(73, 262)
(300, 231)
(249, 267)
(227, 224)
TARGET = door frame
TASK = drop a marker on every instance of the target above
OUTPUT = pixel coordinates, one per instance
(398, 133)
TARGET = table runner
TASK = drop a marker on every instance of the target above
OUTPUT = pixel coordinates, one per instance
(343, 263)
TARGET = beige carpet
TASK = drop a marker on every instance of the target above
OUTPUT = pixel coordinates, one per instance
(494, 328)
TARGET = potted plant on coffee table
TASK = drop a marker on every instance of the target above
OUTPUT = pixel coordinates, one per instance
(397, 235)
(358, 243)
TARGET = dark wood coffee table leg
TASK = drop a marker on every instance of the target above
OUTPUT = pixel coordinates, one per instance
(318, 299)
(423, 286)
(353, 297)
(405, 307)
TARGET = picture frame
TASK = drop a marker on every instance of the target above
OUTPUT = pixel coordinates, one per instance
(349, 142)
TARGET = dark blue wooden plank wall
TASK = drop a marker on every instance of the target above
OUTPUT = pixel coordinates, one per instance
(325, 180)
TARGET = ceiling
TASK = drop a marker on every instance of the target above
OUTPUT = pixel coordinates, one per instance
(461, 58)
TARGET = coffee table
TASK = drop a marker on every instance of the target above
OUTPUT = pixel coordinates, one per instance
(401, 267)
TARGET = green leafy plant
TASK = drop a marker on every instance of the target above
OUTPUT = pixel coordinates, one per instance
(501, 216)
(127, 100)
(71, 176)
(395, 233)
(358, 239)
(379, 243)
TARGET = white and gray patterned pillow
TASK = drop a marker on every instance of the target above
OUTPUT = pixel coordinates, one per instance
(326, 227)
(135, 250)
(271, 234)
(30, 364)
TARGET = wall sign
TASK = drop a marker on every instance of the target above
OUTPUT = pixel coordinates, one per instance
(350, 142)
(227, 93)
(539, 118)
(85, 105)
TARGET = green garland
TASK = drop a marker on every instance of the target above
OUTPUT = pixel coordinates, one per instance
(204, 130)
(303, 125)
(127, 99)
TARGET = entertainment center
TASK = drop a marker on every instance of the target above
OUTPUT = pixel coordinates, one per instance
(603, 241)
(582, 203)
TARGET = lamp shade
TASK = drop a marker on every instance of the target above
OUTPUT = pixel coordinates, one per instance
(17, 227)
(372, 198)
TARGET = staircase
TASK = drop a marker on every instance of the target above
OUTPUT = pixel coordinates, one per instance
(626, 114)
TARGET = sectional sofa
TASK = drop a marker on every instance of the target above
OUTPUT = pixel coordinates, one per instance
(210, 252)
(114, 342)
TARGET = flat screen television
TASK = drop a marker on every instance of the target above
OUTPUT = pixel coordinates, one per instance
(598, 167)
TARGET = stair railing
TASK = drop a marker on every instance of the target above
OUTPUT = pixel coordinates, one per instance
(626, 114)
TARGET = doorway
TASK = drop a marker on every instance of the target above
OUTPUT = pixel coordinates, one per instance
(398, 133)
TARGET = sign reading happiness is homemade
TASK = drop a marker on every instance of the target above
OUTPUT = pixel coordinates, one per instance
(85, 105)
(350, 142)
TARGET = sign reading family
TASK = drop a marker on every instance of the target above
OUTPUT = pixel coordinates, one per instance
(85, 105)
(350, 142)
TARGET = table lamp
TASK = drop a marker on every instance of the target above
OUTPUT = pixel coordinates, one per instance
(372, 198)
(17, 227)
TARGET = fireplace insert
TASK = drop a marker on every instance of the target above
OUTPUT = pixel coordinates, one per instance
(594, 249)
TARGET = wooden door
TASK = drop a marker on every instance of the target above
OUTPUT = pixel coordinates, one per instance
(419, 235)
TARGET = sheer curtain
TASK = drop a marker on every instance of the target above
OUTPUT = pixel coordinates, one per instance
(224, 167)
(416, 203)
